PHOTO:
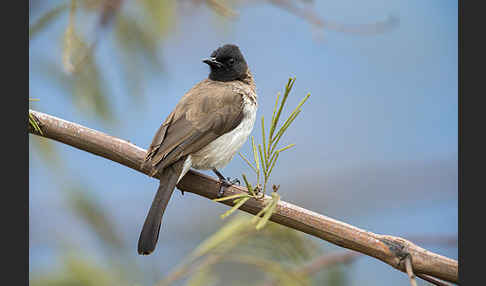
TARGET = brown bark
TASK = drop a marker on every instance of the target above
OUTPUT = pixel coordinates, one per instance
(389, 249)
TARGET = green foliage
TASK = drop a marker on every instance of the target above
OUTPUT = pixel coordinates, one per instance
(137, 31)
(44, 145)
(77, 269)
(82, 76)
(265, 157)
(161, 14)
(274, 253)
(203, 278)
(34, 123)
(82, 267)
(222, 8)
(79, 63)
(224, 239)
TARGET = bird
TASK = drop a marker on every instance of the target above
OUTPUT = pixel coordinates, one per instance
(209, 124)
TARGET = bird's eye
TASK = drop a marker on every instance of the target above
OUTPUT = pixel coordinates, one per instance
(231, 61)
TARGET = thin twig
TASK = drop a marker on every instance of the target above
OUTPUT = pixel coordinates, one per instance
(389, 249)
(360, 29)
(408, 267)
(433, 280)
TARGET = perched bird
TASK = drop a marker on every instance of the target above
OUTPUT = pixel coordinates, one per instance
(206, 129)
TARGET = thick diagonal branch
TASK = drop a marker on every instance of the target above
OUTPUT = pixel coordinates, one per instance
(389, 249)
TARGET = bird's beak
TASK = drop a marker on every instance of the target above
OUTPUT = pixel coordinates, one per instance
(212, 62)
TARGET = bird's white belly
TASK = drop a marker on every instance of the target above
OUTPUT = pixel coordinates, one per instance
(220, 152)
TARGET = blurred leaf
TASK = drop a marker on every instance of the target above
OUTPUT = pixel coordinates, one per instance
(275, 249)
(135, 38)
(162, 15)
(90, 91)
(88, 209)
(336, 276)
(281, 275)
(224, 16)
(230, 232)
(281, 243)
(222, 8)
(204, 277)
(219, 243)
(73, 46)
(76, 270)
(86, 272)
(138, 48)
(46, 19)
(79, 63)
(47, 150)
(92, 4)
(85, 87)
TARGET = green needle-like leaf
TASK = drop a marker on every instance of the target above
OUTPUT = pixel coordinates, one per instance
(262, 211)
(273, 123)
(262, 160)
(302, 101)
(248, 162)
(286, 95)
(236, 206)
(273, 163)
(285, 148)
(230, 230)
(284, 128)
(230, 197)
(264, 143)
(267, 215)
(248, 185)
(34, 124)
(267, 156)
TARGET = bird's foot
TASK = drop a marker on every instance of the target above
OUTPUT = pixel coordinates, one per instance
(224, 183)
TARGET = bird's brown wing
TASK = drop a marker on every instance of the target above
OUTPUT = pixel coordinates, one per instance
(209, 110)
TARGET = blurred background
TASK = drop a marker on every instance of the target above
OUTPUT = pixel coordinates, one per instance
(376, 143)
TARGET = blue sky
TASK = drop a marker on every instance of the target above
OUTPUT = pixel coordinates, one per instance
(379, 128)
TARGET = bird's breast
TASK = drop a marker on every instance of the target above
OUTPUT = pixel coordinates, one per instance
(220, 152)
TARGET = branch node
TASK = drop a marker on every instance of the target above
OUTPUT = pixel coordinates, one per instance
(397, 249)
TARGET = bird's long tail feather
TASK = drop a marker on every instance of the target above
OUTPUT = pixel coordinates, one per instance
(151, 227)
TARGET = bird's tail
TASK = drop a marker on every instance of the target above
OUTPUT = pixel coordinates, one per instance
(150, 231)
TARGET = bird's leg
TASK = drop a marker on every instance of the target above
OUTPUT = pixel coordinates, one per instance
(225, 182)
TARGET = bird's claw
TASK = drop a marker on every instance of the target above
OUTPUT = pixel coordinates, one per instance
(227, 183)
(234, 181)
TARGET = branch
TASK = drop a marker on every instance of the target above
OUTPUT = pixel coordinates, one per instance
(389, 249)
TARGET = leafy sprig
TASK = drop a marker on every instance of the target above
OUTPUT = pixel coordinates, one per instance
(265, 156)
(33, 122)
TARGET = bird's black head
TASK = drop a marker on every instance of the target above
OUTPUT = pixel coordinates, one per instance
(227, 64)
